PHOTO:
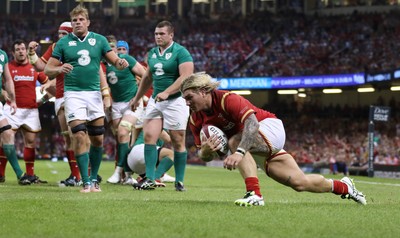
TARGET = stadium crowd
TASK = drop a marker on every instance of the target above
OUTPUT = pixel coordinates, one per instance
(287, 44)
(291, 43)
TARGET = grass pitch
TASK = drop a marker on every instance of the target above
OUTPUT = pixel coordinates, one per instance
(205, 210)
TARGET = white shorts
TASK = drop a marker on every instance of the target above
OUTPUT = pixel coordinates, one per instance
(2, 116)
(139, 121)
(83, 105)
(175, 112)
(120, 109)
(58, 104)
(274, 133)
(24, 117)
(136, 160)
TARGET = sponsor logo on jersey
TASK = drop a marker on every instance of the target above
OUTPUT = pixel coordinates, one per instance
(72, 43)
(23, 78)
(71, 115)
(2, 58)
(168, 55)
(92, 41)
(153, 56)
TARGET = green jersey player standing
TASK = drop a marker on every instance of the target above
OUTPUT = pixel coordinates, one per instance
(123, 88)
(78, 56)
(168, 65)
(7, 137)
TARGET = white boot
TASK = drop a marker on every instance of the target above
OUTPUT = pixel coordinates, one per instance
(128, 179)
(116, 177)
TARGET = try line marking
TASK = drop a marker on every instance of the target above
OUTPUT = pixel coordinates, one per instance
(375, 183)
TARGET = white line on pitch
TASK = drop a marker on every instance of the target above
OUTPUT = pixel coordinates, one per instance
(53, 171)
(388, 184)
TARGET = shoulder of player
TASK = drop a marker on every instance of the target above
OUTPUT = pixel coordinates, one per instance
(178, 47)
(97, 36)
(64, 40)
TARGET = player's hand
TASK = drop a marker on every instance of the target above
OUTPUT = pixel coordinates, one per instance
(107, 102)
(212, 144)
(65, 68)
(44, 87)
(122, 64)
(232, 161)
(161, 96)
(13, 107)
(134, 103)
(32, 47)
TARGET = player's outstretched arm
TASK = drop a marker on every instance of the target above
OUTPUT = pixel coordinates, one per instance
(113, 59)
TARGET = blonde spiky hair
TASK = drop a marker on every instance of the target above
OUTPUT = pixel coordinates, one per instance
(199, 80)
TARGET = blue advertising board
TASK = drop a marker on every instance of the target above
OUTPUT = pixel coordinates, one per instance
(292, 82)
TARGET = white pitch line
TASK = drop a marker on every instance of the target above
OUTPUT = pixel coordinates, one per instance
(378, 183)
(53, 171)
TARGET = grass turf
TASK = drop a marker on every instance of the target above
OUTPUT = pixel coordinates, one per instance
(205, 210)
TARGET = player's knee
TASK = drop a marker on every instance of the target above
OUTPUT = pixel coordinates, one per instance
(78, 128)
(5, 128)
(95, 130)
(125, 126)
(124, 130)
(7, 135)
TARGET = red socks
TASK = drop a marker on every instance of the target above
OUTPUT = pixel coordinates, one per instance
(29, 158)
(339, 187)
(253, 185)
(72, 164)
(3, 162)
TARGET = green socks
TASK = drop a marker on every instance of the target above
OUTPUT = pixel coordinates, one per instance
(150, 158)
(95, 156)
(180, 165)
(164, 165)
(123, 149)
(83, 163)
(11, 155)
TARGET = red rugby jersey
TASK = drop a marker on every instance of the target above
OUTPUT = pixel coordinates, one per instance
(60, 78)
(229, 111)
(25, 77)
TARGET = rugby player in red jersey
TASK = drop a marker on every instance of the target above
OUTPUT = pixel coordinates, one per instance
(26, 118)
(256, 137)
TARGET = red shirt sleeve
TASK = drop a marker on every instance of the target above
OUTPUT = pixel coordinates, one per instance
(42, 78)
(46, 56)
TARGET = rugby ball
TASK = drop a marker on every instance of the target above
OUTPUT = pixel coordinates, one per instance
(209, 130)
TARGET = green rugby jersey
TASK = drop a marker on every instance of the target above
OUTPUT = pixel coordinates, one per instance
(3, 62)
(85, 56)
(165, 68)
(122, 82)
